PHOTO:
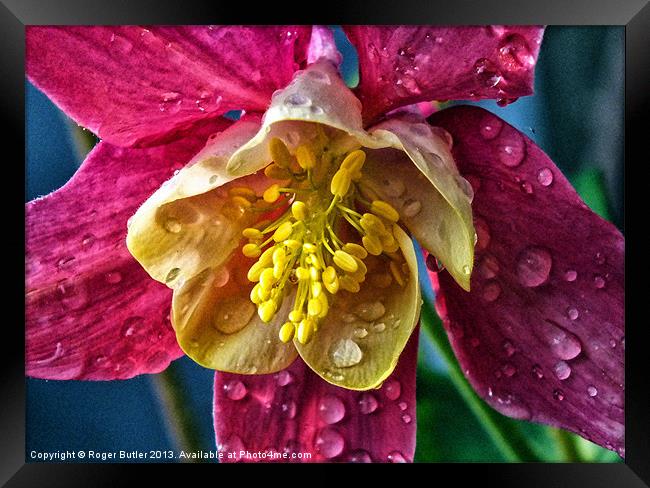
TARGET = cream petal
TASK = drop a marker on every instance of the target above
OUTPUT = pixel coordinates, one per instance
(360, 354)
(444, 223)
(218, 326)
(189, 223)
(316, 95)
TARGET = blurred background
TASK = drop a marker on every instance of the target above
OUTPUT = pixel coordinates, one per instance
(576, 116)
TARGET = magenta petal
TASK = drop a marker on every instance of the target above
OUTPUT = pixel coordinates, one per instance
(92, 311)
(407, 64)
(295, 411)
(137, 86)
(541, 334)
(322, 46)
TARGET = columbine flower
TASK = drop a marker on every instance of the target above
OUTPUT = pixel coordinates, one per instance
(288, 235)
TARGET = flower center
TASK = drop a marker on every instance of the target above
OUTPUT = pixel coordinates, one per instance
(323, 242)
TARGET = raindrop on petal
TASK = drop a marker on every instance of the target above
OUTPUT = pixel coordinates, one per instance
(235, 390)
(545, 177)
(392, 389)
(562, 370)
(533, 266)
(329, 443)
(368, 403)
(331, 409)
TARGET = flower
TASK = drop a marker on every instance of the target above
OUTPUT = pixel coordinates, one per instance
(546, 289)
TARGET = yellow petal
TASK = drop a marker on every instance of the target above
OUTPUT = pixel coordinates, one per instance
(358, 343)
(218, 326)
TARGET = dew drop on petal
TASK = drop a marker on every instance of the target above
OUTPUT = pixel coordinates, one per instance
(564, 345)
(88, 240)
(558, 395)
(113, 277)
(487, 73)
(346, 353)
(331, 409)
(406, 418)
(359, 456)
(592, 391)
(599, 282)
(392, 389)
(545, 177)
(329, 443)
(370, 311)
(396, 457)
(289, 409)
(235, 390)
(297, 100)
(572, 313)
(570, 275)
(233, 314)
(285, 378)
(508, 348)
(512, 150)
(490, 127)
(533, 266)
(537, 371)
(367, 403)
(562, 370)
(491, 291)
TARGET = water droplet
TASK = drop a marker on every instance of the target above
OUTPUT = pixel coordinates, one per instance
(511, 406)
(482, 233)
(346, 353)
(392, 389)
(331, 409)
(508, 369)
(545, 177)
(489, 267)
(233, 314)
(172, 275)
(170, 102)
(491, 291)
(599, 282)
(514, 53)
(592, 391)
(563, 344)
(534, 266)
(396, 457)
(132, 326)
(600, 258)
(368, 403)
(289, 409)
(285, 378)
(508, 348)
(512, 149)
(88, 240)
(359, 456)
(572, 313)
(526, 187)
(379, 327)
(558, 395)
(360, 332)
(402, 405)
(329, 443)
(570, 275)
(537, 371)
(297, 100)
(113, 277)
(370, 311)
(235, 390)
(66, 262)
(562, 370)
(503, 102)
(465, 187)
(490, 127)
(487, 73)
(406, 418)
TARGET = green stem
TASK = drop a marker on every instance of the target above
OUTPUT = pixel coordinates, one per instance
(507, 438)
(178, 417)
(566, 443)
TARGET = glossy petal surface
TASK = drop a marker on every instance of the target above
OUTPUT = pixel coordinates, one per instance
(400, 65)
(133, 85)
(541, 335)
(296, 412)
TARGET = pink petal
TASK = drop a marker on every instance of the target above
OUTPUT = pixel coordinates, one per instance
(322, 45)
(541, 334)
(137, 86)
(404, 65)
(295, 411)
(92, 311)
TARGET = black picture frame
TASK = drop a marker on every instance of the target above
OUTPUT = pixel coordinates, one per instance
(633, 14)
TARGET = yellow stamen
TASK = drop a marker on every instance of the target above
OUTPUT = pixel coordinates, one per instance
(299, 210)
(280, 153)
(305, 157)
(272, 193)
(384, 209)
(283, 232)
(340, 183)
(254, 234)
(276, 172)
(287, 331)
(251, 250)
(305, 331)
(266, 310)
(242, 191)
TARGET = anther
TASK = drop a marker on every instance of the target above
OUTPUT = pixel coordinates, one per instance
(251, 250)
(305, 157)
(283, 232)
(305, 331)
(340, 183)
(344, 261)
(280, 153)
(299, 210)
(384, 209)
(287, 331)
(272, 193)
(254, 234)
